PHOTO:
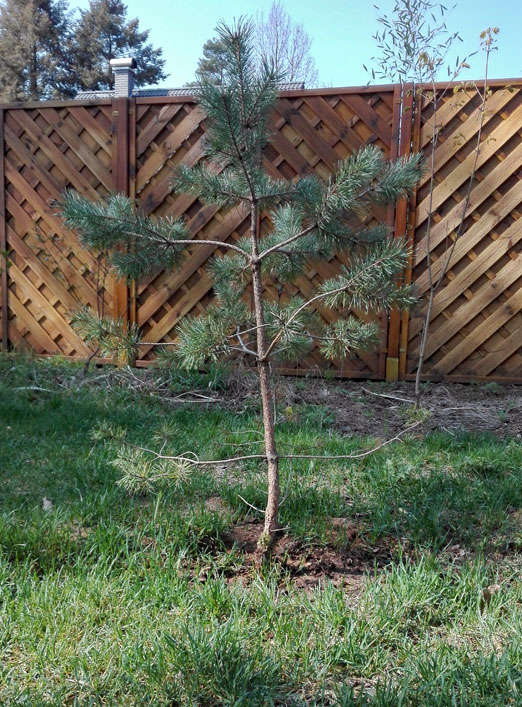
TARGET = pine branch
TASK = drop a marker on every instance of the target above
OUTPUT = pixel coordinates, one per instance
(113, 222)
(111, 337)
(342, 284)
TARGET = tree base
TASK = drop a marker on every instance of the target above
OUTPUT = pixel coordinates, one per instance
(265, 545)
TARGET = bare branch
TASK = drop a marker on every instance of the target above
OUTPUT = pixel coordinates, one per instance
(250, 505)
(234, 460)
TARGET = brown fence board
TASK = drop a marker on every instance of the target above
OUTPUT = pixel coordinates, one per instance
(476, 324)
(134, 145)
(49, 147)
(4, 291)
(312, 131)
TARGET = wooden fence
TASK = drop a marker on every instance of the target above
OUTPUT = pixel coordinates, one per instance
(475, 237)
(132, 146)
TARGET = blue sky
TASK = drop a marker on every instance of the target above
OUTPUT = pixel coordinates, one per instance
(341, 31)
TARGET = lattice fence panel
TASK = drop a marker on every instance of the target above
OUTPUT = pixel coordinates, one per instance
(312, 131)
(47, 149)
(476, 327)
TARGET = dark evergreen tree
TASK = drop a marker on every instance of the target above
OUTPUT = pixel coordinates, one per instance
(33, 36)
(310, 219)
(211, 64)
(102, 33)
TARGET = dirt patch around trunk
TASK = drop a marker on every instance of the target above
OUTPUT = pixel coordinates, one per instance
(308, 565)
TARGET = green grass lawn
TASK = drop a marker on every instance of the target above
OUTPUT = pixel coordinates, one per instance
(112, 599)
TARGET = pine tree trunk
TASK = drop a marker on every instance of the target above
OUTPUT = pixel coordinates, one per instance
(267, 538)
(272, 506)
(33, 77)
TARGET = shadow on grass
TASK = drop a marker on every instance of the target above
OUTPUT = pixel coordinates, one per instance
(433, 492)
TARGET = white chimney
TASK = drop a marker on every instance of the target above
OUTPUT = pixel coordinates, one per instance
(123, 77)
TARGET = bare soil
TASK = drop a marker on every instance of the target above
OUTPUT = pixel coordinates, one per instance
(345, 563)
(380, 409)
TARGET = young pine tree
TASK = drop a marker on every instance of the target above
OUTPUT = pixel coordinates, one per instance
(310, 220)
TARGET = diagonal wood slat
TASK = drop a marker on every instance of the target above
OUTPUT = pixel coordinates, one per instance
(45, 150)
(477, 311)
(310, 134)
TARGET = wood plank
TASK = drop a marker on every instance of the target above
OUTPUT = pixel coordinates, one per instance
(29, 160)
(490, 363)
(506, 277)
(201, 219)
(167, 323)
(168, 148)
(157, 123)
(474, 234)
(69, 272)
(371, 118)
(46, 213)
(454, 103)
(402, 147)
(42, 338)
(48, 310)
(489, 326)
(307, 132)
(98, 128)
(132, 305)
(467, 277)
(410, 235)
(80, 149)
(480, 192)
(4, 284)
(120, 290)
(53, 283)
(467, 130)
(201, 254)
(39, 138)
(154, 193)
(338, 126)
(506, 380)
(461, 173)
(288, 152)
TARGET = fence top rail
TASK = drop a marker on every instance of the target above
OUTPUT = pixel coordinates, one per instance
(68, 103)
(71, 102)
(293, 93)
(490, 82)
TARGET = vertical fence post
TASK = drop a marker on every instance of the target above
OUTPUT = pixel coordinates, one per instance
(131, 165)
(4, 285)
(416, 114)
(120, 170)
(404, 96)
(123, 152)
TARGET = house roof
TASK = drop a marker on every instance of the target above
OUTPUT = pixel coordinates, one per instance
(158, 92)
